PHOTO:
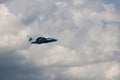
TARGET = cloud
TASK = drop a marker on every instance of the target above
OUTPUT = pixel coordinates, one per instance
(2, 1)
(11, 30)
(113, 72)
(88, 44)
(12, 38)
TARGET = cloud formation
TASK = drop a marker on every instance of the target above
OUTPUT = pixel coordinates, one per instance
(88, 46)
(2, 1)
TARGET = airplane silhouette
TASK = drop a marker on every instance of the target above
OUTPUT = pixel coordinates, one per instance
(41, 40)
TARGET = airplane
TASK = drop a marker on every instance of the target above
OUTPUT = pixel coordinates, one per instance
(41, 40)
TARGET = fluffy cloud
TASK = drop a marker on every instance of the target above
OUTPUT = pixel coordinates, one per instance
(113, 72)
(88, 44)
(12, 32)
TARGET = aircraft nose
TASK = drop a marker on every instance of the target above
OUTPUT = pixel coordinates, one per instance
(54, 39)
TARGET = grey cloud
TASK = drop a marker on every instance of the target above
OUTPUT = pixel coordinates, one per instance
(88, 37)
(12, 68)
(115, 2)
(32, 9)
(2, 1)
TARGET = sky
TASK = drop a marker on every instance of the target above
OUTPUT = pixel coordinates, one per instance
(88, 46)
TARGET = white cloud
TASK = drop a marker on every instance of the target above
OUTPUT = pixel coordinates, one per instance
(54, 56)
(113, 72)
(88, 38)
(12, 32)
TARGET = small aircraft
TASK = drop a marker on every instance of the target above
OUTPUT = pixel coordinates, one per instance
(41, 40)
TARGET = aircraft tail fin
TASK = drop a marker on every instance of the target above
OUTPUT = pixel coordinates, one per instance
(30, 39)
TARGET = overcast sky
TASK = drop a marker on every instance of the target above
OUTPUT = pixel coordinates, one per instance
(88, 46)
